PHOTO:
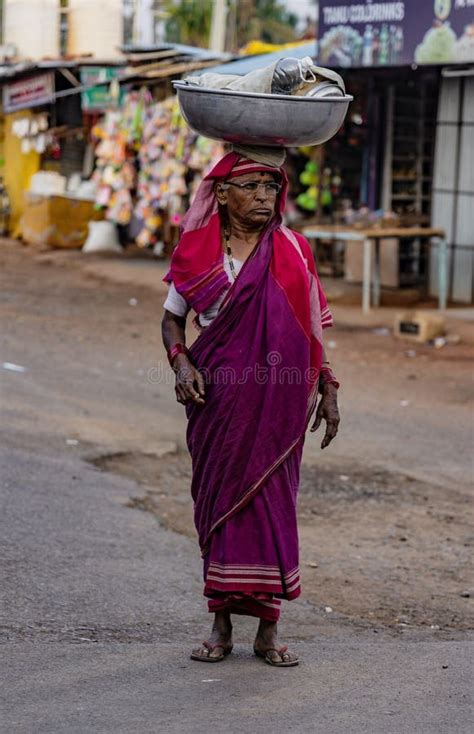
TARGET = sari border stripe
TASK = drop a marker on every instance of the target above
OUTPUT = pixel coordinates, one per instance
(232, 578)
(234, 571)
(250, 607)
(257, 572)
(256, 580)
(293, 586)
(276, 604)
(201, 279)
(243, 565)
(212, 285)
(289, 578)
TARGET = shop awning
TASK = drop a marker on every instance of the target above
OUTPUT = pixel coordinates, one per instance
(138, 65)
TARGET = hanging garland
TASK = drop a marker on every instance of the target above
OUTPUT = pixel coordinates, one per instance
(149, 164)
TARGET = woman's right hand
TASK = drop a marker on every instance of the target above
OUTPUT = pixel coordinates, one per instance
(189, 381)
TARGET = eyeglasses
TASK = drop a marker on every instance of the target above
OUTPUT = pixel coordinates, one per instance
(271, 187)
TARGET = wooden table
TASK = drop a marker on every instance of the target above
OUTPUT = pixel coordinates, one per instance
(371, 237)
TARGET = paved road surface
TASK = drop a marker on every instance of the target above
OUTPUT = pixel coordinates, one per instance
(100, 605)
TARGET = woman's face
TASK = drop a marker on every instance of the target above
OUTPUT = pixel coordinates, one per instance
(253, 209)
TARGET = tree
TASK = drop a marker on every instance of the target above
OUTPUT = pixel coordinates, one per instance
(265, 20)
(189, 21)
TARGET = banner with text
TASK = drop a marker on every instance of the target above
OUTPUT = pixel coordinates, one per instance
(386, 33)
(34, 91)
(104, 96)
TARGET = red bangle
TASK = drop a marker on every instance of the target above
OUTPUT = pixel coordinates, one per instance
(175, 350)
(327, 377)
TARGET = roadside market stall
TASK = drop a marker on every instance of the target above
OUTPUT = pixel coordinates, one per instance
(51, 108)
(406, 148)
(46, 145)
(148, 163)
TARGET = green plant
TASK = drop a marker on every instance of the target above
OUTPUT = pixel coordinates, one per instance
(189, 21)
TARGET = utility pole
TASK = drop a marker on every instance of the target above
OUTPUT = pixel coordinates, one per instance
(218, 26)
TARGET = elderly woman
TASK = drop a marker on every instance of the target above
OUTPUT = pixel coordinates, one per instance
(250, 384)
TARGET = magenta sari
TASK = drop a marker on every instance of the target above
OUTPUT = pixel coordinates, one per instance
(261, 358)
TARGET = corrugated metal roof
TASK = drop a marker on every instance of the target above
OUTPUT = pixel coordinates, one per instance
(193, 51)
(178, 54)
(23, 68)
(249, 63)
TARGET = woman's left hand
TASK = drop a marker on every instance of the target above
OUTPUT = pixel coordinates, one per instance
(327, 410)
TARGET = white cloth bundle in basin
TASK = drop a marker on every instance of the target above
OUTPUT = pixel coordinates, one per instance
(285, 76)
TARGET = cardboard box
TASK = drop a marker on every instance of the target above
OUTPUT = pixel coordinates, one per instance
(419, 326)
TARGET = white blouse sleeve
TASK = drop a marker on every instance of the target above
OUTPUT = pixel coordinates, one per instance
(175, 303)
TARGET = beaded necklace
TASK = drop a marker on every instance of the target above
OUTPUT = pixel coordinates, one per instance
(229, 253)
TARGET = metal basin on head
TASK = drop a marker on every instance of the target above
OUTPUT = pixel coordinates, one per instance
(261, 119)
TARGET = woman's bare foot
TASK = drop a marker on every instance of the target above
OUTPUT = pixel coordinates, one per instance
(267, 645)
(220, 641)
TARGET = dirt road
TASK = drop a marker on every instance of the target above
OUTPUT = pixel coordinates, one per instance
(91, 438)
(385, 512)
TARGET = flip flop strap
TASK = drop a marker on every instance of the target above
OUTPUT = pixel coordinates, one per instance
(280, 651)
(209, 646)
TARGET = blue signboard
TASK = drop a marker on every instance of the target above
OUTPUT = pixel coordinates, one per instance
(369, 33)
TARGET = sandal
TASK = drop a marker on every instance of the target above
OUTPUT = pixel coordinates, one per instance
(227, 649)
(282, 652)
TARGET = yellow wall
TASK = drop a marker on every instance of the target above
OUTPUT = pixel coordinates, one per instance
(18, 170)
(2, 145)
